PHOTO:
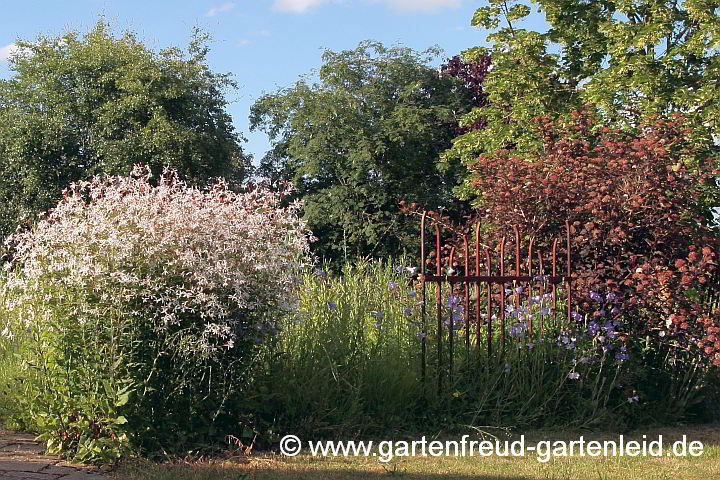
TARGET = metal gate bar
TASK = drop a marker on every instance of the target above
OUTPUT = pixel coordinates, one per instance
(518, 280)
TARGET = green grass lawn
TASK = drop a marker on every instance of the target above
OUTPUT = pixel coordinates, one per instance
(266, 466)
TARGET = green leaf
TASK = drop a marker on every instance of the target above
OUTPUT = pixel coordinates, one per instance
(123, 399)
(486, 17)
(518, 11)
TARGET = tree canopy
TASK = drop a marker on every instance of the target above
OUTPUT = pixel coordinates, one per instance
(625, 60)
(364, 136)
(608, 120)
(79, 105)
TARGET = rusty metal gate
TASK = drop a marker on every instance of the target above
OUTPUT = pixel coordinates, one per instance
(529, 276)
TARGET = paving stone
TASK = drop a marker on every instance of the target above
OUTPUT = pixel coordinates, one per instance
(83, 476)
(21, 458)
(21, 466)
(58, 470)
(18, 437)
(30, 447)
(34, 476)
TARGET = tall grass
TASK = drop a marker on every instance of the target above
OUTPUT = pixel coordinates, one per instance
(11, 348)
(348, 362)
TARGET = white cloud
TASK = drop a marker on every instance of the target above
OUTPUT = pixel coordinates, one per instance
(420, 5)
(225, 7)
(8, 50)
(297, 6)
(252, 37)
(404, 6)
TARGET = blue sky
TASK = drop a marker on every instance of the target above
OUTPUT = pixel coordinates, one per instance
(266, 44)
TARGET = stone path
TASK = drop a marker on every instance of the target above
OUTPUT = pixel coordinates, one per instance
(21, 458)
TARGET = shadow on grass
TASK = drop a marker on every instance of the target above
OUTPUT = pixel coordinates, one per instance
(276, 472)
(274, 467)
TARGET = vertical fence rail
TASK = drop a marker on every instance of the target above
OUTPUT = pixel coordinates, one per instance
(438, 306)
(712, 297)
(502, 294)
(488, 259)
(568, 278)
(530, 283)
(542, 290)
(522, 288)
(467, 299)
(423, 310)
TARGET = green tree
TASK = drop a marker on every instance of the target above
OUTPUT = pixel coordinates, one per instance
(365, 136)
(624, 60)
(76, 106)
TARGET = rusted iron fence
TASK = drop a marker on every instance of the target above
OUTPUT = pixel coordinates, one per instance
(480, 290)
(712, 297)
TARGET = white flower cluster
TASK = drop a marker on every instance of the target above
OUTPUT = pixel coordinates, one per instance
(167, 251)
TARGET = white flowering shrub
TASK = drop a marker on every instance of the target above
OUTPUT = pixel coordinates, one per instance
(151, 298)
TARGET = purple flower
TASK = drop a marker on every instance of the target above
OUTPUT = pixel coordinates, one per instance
(407, 311)
(421, 334)
(621, 357)
(611, 296)
(378, 314)
(577, 316)
(517, 331)
(519, 290)
(453, 301)
(392, 285)
(378, 325)
(573, 375)
(411, 270)
(634, 399)
(332, 305)
(412, 294)
(399, 269)
(596, 296)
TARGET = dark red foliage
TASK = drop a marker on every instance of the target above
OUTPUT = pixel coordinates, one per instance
(635, 205)
(472, 75)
